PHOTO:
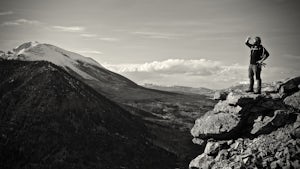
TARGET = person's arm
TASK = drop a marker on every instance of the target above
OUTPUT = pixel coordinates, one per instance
(247, 42)
(266, 54)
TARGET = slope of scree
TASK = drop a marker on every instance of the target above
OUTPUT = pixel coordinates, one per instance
(49, 119)
(251, 131)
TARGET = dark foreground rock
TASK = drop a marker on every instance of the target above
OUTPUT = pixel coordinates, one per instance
(252, 131)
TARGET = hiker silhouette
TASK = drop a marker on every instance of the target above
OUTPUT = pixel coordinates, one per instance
(258, 54)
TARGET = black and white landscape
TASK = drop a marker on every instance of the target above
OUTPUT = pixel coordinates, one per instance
(138, 84)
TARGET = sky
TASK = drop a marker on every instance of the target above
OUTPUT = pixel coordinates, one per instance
(197, 43)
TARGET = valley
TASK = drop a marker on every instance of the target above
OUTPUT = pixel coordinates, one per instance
(167, 116)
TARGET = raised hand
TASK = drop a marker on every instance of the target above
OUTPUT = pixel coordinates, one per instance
(248, 38)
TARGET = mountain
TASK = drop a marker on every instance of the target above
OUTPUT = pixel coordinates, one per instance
(168, 116)
(246, 130)
(49, 119)
(182, 89)
(112, 85)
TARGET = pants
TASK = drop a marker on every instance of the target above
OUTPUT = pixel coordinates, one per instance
(254, 70)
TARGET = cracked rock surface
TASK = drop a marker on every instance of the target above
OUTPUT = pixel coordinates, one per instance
(252, 131)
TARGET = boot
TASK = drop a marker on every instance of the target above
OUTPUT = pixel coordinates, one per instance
(250, 89)
(258, 91)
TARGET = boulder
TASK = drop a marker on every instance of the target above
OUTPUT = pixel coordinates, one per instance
(269, 89)
(2, 55)
(198, 141)
(222, 155)
(296, 127)
(276, 96)
(278, 84)
(212, 148)
(220, 95)
(274, 165)
(296, 133)
(242, 99)
(267, 124)
(296, 164)
(216, 125)
(223, 106)
(252, 131)
(237, 145)
(226, 164)
(293, 100)
(297, 122)
(290, 85)
(203, 161)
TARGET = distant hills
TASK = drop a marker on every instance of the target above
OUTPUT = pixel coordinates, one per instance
(182, 89)
(49, 119)
(166, 116)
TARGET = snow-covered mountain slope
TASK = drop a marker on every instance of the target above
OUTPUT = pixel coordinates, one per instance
(34, 51)
(112, 85)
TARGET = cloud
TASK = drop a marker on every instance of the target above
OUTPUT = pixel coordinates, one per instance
(157, 35)
(95, 36)
(88, 35)
(6, 13)
(200, 72)
(179, 23)
(200, 67)
(20, 22)
(109, 39)
(195, 73)
(69, 28)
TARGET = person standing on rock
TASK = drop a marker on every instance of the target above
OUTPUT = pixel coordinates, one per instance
(257, 56)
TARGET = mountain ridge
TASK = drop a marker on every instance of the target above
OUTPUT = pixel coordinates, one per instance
(182, 89)
(51, 119)
(87, 70)
(168, 116)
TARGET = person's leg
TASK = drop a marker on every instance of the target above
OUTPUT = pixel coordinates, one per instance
(258, 78)
(250, 75)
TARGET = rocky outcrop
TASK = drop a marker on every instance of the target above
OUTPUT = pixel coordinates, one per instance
(288, 86)
(293, 100)
(266, 124)
(252, 131)
(220, 95)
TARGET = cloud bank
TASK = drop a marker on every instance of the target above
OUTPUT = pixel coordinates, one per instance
(69, 28)
(156, 35)
(196, 73)
(6, 13)
(20, 22)
(172, 66)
